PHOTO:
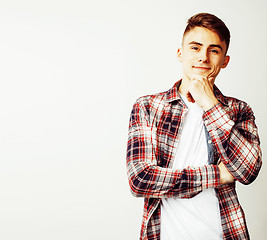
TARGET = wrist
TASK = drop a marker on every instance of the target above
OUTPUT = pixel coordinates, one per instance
(210, 104)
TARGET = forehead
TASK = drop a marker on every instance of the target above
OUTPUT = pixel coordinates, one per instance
(203, 36)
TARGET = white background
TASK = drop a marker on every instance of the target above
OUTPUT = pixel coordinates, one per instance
(70, 73)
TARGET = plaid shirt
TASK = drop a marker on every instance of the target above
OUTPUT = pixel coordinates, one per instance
(155, 126)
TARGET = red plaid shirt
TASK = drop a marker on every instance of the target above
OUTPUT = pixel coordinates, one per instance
(154, 131)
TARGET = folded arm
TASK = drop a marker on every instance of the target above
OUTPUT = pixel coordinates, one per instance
(146, 179)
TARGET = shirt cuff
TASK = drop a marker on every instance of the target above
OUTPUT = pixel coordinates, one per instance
(218, 118)
(210, 176)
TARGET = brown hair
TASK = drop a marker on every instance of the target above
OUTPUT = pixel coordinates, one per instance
(211, 22)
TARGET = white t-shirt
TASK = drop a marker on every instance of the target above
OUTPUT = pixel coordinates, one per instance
(196, 218)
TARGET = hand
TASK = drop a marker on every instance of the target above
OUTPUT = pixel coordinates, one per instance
(225, 176)
(201, 92)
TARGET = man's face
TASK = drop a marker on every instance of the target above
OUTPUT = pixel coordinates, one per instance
(202, 53)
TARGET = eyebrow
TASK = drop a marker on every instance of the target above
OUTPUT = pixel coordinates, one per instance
(200, 44)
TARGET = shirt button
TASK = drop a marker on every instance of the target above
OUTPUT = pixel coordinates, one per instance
(209, 141)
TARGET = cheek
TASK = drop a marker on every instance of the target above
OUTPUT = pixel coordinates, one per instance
(217, 63)
(222, 60)
(188, 60)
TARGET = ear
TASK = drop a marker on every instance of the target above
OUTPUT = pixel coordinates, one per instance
(179, 54)
(226, 61)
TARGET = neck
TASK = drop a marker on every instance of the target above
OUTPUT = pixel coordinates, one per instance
(183, 88)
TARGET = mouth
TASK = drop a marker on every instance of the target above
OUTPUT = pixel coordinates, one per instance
(202, 68)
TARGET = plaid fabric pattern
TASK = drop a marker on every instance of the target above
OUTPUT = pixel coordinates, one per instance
(155, 126)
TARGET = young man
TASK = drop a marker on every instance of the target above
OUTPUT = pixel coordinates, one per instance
(188, 146)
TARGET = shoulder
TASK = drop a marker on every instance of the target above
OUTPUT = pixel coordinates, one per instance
(238, 109)
(152, 101)
(159, 100)
(150, 107)
(232, 103)
(235, 102)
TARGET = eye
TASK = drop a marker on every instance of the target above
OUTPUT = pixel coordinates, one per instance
(214, 51)
(194, 48)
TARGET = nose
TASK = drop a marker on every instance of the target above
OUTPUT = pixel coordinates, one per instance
(203, 56)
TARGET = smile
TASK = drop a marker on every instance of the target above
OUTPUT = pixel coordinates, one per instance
(202, 69)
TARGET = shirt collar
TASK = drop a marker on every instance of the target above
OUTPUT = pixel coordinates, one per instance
(173, 93)
(218, 94)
